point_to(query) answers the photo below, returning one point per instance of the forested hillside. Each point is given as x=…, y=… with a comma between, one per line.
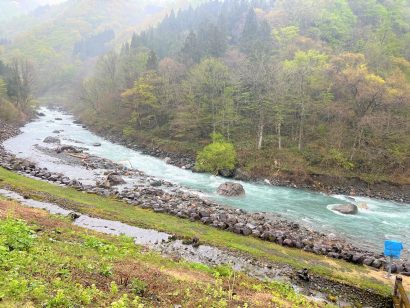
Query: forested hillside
x=299, y=86
x=63, y=40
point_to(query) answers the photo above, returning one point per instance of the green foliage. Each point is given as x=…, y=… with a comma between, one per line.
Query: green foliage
x=217, y=156
x=3, y=88
x=340, y=159
x=276, y=74
x=222, y=271
x=138, y=286
x=9, y=112
x=101, y=247
x=337, y=22
x=15, y=235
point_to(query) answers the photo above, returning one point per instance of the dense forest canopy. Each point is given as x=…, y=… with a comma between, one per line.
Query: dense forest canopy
x=303, y=84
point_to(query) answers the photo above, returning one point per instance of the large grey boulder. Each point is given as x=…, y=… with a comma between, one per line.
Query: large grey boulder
x=231, y=189
x=348, y=209
x=115, y=179
x=51, y=139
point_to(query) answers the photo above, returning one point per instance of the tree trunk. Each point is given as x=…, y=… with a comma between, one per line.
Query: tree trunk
x=357, y=142
x=300, y=133
x=260, y=135
x=279, y=136
x=261, y=127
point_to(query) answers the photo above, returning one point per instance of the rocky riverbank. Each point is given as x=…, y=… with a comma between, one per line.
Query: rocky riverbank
x=161, y=196
x=317, y=182
x=320, y=289
x=7, y=131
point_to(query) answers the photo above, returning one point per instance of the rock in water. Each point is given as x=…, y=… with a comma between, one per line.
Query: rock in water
x=348, y=209
x=226, y=173
x=51, y=139
x=68, y=148
x=97, y=144
x=115, y=179
x=231, y=189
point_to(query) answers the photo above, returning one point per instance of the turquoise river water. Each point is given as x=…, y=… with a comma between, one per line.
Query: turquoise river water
x=368, y=229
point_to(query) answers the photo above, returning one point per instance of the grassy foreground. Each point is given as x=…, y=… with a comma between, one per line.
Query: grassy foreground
x=108, y=208
x=45, y=261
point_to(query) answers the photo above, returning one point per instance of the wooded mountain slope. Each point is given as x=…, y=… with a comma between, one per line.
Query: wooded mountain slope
x=300, y=86
x=63, y=40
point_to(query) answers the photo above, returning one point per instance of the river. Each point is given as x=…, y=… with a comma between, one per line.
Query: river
x=368, y=229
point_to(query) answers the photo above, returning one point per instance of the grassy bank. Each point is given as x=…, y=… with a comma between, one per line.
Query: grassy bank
x=94, y=205
x=46, y=261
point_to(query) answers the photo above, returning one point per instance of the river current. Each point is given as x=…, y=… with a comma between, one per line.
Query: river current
x=373, y=224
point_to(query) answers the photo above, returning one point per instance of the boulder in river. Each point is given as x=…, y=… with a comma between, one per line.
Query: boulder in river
x=51, y=139
x=348, y=209
x=97, y=144
x=231, y=189
x=115, y=179
x=226, y=173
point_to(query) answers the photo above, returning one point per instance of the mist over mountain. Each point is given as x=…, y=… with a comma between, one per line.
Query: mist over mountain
x=63, y=40
x=14, y=8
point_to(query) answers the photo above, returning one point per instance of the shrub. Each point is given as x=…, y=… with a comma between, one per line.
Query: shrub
x=217, y=156
x=138, y=286
x=15, y=235
x=9, y=112
x=339, y=159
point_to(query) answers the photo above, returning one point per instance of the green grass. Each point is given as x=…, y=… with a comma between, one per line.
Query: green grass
x=47, y=262
x=116, y=210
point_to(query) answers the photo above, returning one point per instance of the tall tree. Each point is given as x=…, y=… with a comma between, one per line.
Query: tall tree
x=302, y=71
x=20, y=83
x=152, y=62
x=210, y=80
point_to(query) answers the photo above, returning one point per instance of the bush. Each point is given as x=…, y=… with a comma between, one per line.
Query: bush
x=217, y=156
x=138, y=286
x=339, y=159
x=9, y=112
x=15, y=235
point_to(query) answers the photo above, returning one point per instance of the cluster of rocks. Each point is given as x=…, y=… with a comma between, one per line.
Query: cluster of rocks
x=7, y=131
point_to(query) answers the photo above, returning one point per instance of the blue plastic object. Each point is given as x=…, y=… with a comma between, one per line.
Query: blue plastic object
x=393, y=249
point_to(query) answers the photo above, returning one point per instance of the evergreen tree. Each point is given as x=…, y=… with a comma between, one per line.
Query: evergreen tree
x=134, y=41
x=190, y=50
x=152, y=62
x=249, y=31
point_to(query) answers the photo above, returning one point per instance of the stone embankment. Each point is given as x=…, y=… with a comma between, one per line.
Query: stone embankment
x=164, y=197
